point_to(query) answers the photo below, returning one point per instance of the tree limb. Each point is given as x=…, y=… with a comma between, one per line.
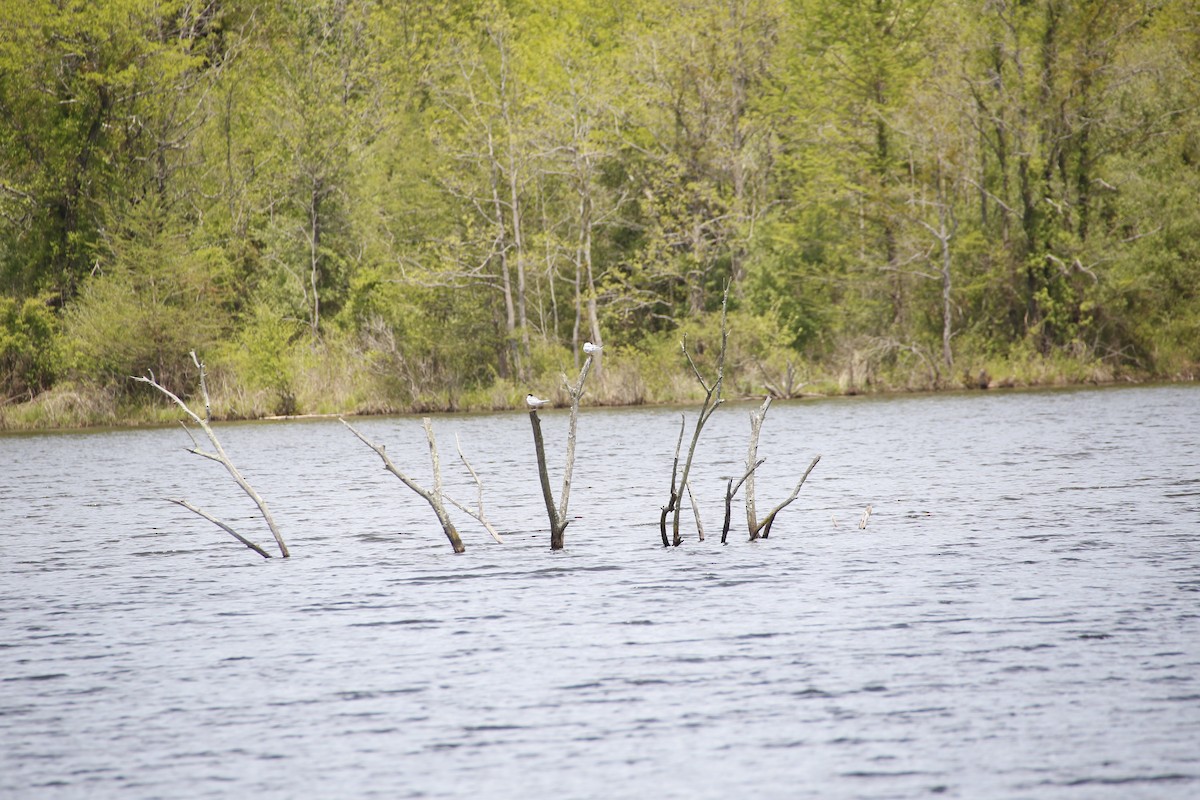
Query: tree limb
x=765, y=527
x=221, y=525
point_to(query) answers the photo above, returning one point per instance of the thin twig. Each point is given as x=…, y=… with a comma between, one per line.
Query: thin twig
x=479, y=496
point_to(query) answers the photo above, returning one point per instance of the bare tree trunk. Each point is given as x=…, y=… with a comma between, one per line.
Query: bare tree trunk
x=756, y=421
x=510, y=314
x=575, y=345
x=558, y=525
x=314, y=256
x=730, y=492
x=674, y=499
x=585, y=231
x=514, y=196
x=522, y=314
x=752, y=464
x=558, y=516
x=945, y=234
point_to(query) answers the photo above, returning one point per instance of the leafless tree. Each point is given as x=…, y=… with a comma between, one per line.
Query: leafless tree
x=221, y=458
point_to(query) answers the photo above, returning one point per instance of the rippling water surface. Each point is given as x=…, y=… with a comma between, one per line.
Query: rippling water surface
x=1020, y=617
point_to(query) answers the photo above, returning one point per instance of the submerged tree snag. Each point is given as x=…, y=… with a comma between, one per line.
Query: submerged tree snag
x=752, y=463
x=221, y=458
x=670, y=506
x=712, y=399
x=769, y=520
x=558, y=515
x=434, y=498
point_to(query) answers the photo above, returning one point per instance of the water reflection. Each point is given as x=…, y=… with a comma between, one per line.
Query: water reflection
x=1019, y=618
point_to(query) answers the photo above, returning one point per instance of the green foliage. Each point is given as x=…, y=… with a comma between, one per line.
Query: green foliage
x=90, y=91
x=29, y=344
x=265, y=355
x=154, y=298
x=396, y=206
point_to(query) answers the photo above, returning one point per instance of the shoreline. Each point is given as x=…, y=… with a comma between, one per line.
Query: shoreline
x=157, y=416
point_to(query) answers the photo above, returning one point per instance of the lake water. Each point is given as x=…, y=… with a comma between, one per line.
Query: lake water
x=1019, y=619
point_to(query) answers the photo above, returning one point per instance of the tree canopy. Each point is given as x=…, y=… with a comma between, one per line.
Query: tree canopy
x=378, y=205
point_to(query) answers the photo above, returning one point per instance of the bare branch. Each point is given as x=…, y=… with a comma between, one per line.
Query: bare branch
x=219, y=455
x=478, y=515
x=770, y=520
x=434, y=500
x=696, y=512
x=221, y=525
x=756, y=422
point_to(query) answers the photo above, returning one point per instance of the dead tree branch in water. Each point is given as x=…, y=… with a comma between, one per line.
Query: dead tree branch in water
x=712, y=399
x=769, y=520
x=669, y=507
x=558, y=515
x=866, y=515
x=222, y=525
x=434, y=498
x=219, y=456
x=756, y=421
x=478, y=513
x=696, y=513
x=730, y=492
x=752, y=463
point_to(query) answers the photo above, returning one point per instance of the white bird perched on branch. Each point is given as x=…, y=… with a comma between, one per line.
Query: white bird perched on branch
x=590, y=348
x=534, y=402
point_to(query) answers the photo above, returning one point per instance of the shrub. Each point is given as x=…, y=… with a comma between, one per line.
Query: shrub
x=29, y=347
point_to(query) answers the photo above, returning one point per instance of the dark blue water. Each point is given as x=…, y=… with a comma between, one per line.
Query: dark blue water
x=1020, y=617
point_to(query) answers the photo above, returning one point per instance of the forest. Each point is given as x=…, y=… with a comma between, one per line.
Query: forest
x=375, y=206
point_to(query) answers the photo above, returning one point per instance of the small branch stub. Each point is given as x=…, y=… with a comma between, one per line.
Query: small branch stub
x=866, y=515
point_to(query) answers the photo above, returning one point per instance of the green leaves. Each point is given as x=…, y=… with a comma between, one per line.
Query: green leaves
x=447, y=191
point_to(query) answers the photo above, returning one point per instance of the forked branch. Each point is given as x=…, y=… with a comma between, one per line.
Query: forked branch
x=218, y=455
x=478, y=512
x=712, y=399
x=434, y=498
x=558, y=514
x=752, y=463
